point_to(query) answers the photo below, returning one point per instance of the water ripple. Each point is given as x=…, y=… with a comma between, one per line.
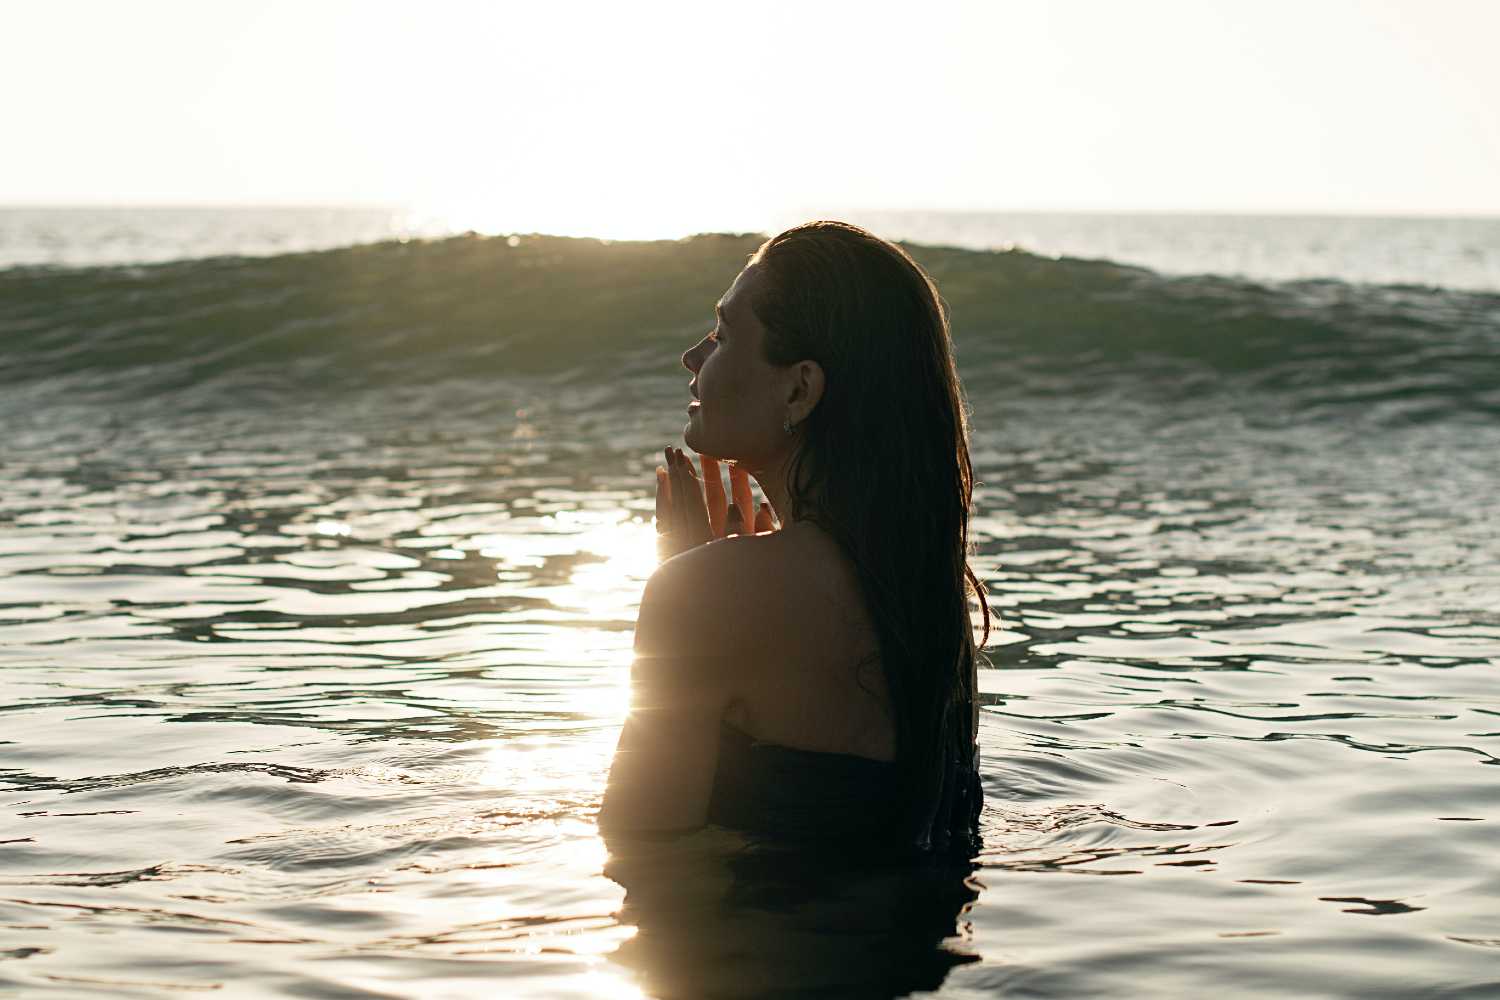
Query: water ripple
x=333, y=688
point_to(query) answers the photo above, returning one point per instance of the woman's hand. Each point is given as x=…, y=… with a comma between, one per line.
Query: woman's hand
x=690, y=511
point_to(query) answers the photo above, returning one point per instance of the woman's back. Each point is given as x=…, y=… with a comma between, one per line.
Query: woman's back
x=803, y=746
x=812, y=679
x=806, y=745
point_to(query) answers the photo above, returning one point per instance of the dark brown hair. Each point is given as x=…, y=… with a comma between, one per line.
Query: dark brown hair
x=882, y=465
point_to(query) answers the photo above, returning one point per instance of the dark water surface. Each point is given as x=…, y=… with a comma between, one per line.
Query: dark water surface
x=314, y=657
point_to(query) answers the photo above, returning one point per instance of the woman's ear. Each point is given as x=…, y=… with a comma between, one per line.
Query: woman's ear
x=804, y=389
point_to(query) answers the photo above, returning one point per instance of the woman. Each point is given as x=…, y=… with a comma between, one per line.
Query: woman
x=814, y=682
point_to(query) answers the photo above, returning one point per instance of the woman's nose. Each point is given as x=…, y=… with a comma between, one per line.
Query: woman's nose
x=692, y=358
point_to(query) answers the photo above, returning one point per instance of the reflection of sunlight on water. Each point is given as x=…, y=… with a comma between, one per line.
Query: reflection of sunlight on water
x=614, y=553
x=610, y=986
x=544, y=768
x=628, y=548
x=579, y=847
x=613, y=587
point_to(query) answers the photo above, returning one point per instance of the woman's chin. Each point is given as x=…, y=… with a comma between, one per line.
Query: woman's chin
x=702, y=447
x=695, y=439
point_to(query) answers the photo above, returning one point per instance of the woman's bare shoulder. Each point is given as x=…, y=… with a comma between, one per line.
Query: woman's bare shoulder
x=725, y=567
x=722, y=591
x=747, y=590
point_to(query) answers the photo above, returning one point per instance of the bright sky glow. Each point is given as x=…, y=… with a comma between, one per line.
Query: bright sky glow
x=624, y=119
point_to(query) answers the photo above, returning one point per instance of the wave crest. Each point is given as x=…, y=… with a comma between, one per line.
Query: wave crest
x=471, y=306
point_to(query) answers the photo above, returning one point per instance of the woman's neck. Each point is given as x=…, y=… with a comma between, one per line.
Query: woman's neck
x=773, y=482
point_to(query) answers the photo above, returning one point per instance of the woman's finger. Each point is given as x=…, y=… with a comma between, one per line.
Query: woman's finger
x=763, y=519
x=669, y=539
x=713, y=488
x=663, y=501
x=679, y=496
x=739, y=482
x=733, y=521
x=688, y=511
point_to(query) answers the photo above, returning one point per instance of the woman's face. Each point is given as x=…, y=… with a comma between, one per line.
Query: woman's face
x=740, y=397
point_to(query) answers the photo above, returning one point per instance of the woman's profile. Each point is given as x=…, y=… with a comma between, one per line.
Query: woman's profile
x=813, y=681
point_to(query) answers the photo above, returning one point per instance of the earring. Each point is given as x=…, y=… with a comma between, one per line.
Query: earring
x=786, y=425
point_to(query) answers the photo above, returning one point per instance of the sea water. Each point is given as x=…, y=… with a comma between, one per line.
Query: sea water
x=318, y=573
x=1459, y=253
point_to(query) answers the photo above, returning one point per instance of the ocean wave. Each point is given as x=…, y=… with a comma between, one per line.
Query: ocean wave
x=475, y=307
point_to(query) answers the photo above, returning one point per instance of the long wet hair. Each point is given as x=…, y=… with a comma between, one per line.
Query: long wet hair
x=882, y=465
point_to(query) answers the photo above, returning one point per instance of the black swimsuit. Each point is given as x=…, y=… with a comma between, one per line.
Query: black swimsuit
x=810, y=796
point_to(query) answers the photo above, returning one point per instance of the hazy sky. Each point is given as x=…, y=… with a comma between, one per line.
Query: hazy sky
x=531, y=113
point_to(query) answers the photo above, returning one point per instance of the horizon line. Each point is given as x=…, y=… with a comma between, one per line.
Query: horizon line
x=360, y=206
